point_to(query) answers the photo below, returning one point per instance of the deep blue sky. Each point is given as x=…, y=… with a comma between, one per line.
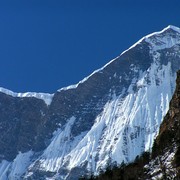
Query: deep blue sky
x=48, y=44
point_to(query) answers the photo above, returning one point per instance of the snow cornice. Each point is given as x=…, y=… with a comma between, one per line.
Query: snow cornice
x=46, y=97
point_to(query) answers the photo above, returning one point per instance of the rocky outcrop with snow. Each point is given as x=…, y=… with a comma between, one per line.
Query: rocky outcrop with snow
x=163, y=162
x=109, y=117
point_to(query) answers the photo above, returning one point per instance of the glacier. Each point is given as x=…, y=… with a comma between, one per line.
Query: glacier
x=127, y=99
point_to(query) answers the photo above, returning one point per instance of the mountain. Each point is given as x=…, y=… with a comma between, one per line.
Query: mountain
x=163, y=162
x=109, y=117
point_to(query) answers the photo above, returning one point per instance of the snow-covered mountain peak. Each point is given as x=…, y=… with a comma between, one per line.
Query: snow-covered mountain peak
x=169, y=29
x=175, y=28
x=157, y=40
x=167, y=38
x=111, y=116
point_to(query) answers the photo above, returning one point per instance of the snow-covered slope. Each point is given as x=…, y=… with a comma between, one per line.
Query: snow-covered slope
x=126, y=127
x=14, y=170
x=46, y=97
x=109, y=117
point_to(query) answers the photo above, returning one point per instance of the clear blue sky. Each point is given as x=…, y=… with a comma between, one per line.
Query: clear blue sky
x=48, y=44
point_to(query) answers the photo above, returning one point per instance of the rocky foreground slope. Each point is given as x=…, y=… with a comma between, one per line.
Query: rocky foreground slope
x=109, y=117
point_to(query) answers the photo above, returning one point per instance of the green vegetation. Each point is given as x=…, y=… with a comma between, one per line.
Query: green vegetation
x=130, y=171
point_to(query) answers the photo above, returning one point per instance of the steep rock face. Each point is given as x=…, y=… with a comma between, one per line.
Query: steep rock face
x=21, y=121
x=111, y=116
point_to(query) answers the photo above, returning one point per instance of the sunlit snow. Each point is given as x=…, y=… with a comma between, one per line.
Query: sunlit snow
x=14, y=170
x=124, y=129
x=47, y=98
